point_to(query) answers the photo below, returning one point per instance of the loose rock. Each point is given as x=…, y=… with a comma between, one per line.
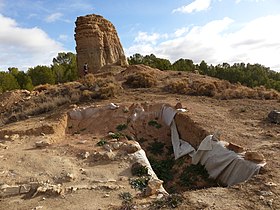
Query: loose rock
x=42, y=144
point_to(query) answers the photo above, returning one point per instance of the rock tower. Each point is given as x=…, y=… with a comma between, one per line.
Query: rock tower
x=97, y=43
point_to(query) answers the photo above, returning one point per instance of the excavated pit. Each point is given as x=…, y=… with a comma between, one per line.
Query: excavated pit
x=142, y=123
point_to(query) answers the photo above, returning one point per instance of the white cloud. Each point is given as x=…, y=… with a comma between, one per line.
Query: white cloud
x=63, y=37
x=256, y=41
x=25, y=47
x=143, y=49
x=144, y=43
x=195, y=6
x=53, y=17
x=144, y=37
x=179, y=32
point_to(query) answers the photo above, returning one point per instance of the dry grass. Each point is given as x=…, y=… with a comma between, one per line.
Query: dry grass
x=89, y=80
x=219, y=89
x=41, y=88
x=180, y=87
x=39, y=105
x=191, y=88
x=141, y=80
x=46, y=98
x=99, y=87
x=203, y=88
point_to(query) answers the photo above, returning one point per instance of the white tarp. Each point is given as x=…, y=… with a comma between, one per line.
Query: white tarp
x=180, y=147
x=222, y=164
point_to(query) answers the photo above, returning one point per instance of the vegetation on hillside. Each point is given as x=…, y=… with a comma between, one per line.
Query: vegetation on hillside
x=64, y=69
x=251, y=75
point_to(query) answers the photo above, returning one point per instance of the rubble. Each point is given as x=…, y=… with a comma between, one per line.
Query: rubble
x=50, y=189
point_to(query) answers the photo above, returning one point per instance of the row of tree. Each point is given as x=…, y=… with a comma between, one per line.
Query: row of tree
x=63, y=69
x=251, y=75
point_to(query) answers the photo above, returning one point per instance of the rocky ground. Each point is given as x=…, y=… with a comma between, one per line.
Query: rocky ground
x=50, y=161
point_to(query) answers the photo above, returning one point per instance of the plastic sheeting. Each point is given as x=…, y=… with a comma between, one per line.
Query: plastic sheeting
x=222, y=164
x=180, y=147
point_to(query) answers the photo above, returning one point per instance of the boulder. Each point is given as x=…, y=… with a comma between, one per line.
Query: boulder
x=154, y=187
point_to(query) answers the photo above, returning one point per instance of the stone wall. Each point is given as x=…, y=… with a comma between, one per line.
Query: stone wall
x=97, y=43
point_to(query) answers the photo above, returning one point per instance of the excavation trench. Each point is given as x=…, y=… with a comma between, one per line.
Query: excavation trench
x=170, y=143
x=143, y=123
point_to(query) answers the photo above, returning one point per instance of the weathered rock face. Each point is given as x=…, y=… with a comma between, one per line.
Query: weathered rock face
x=97, y=43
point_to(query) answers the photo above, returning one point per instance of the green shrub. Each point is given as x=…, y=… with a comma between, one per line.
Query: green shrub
x=156, y=147
x=121, y=127
x=163, y=168
x=138, y=169
x=169, y=201
x=140, y=183
x=101, y=142
x=194, y=174
x=154, y=123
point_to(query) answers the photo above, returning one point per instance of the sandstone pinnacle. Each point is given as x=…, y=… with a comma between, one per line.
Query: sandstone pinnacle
x=97, y=44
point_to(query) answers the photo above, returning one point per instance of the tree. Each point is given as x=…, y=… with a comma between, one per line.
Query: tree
x=150, y=60
x=8, y=82
x=41, y=75
x=154, y=62
x=183, y=65
x=135, y=59
x=13, y=70
x=24, y=81
x=65, y=67
x=203, y=67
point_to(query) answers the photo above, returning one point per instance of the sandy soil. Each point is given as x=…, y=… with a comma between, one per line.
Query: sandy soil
x=97, y=181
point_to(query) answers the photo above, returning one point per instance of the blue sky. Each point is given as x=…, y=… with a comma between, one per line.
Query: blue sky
x=32, y=32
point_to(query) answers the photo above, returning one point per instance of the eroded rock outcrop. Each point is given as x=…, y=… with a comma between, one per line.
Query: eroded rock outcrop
x=97, y=43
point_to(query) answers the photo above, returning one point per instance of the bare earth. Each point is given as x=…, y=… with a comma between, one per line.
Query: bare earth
x=96, y=181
